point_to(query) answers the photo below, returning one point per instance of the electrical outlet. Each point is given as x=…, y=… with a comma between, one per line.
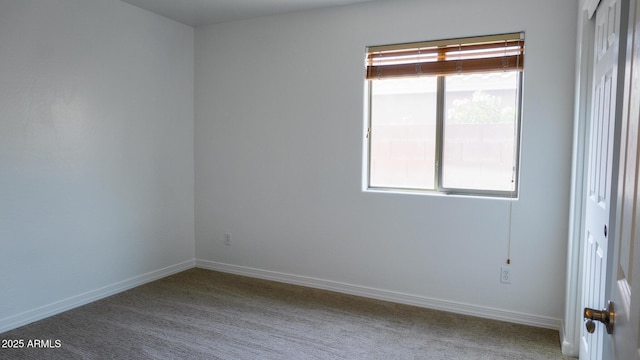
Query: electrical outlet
x=505, y=274
x=227, y=239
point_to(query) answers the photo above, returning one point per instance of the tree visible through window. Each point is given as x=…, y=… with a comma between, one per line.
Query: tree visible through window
x=444, y=115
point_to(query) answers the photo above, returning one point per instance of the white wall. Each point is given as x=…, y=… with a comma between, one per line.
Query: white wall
x=279, y=138
x=96, y=152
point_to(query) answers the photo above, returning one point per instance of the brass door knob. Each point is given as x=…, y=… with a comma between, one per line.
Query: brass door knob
x=605, y=316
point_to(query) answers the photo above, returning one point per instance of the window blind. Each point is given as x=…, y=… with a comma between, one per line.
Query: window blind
x=446, y=57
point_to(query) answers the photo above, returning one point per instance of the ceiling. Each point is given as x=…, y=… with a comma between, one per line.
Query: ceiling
x=205, y=12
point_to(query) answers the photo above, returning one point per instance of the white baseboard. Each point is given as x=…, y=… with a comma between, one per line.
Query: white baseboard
x=57, y=307
x=408, y=299
x=43, y=312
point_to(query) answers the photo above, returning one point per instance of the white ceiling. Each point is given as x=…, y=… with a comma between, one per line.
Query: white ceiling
x=205, y=12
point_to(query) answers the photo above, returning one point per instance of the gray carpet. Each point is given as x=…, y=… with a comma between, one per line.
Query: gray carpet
x=202, y=314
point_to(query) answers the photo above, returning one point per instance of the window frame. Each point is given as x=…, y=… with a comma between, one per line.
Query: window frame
x=439, y=144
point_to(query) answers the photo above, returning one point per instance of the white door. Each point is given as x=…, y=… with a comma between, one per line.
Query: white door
x=602, y=169
x=624, y=281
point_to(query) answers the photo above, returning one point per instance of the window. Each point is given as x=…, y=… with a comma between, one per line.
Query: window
x=444, y=116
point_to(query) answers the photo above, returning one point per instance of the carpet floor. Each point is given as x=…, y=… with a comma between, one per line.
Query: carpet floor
x=203, y=314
